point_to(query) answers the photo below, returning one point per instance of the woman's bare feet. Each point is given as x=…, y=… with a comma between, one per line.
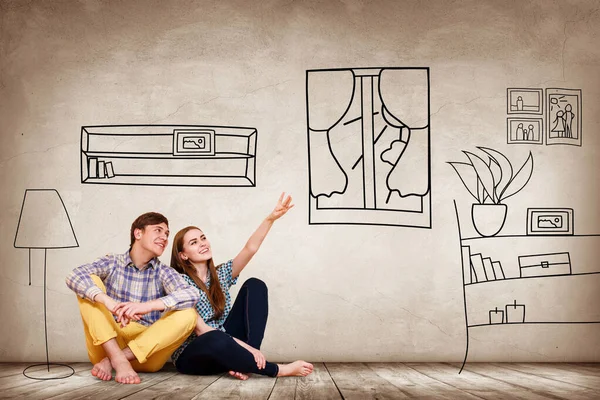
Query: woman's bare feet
x=297, y=368
x=103, y=370
x=124, y=371
x=239, y=375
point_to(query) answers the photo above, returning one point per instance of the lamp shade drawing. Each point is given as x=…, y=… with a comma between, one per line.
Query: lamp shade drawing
x=44, y=224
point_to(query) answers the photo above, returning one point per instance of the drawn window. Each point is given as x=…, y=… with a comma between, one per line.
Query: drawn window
x=369, y=146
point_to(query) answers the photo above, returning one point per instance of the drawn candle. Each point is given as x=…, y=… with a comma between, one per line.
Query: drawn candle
x=515, y=313
x=496, y=316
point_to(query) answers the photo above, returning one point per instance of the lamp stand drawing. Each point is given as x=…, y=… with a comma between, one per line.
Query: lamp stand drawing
x=44, y=224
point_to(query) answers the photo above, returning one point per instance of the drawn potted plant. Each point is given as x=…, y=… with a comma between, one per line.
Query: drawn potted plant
x=490, y=180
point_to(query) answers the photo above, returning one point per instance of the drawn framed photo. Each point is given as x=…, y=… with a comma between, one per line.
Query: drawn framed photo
x=563, y=116
x=525, y=130
x=193, y=143
x=524, y=101
x=549, y=221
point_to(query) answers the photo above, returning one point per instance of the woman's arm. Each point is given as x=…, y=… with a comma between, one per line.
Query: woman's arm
x=260, y=359
x=202, y=327
x=253, y=244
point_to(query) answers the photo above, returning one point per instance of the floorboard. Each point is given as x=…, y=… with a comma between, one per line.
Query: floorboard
x=9, y=369
x=583, y=368
x=258, y=387
x=316, y=385
x=539, y=385
x=177, y=386
x=358, y=381
x=562, y=375
x=284, y=389
x=415, y=384
x=477, y=384
x=329, y=381
x=113, y=390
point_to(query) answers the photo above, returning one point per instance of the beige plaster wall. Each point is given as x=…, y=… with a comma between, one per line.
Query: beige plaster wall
x=351, y=293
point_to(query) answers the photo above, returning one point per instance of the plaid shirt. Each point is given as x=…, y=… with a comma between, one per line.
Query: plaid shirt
x=204, y=308
x=125, y=282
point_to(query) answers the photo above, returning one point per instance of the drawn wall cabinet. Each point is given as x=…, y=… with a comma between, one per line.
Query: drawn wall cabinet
x=168, y=155
x=514, y=281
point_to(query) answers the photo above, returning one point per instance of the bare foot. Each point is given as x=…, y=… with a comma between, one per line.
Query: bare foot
x=124, y=371
x=239, y=375
x=297, y=368
x=103, y=370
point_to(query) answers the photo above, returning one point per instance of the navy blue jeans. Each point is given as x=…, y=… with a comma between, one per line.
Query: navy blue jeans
x=216, y=352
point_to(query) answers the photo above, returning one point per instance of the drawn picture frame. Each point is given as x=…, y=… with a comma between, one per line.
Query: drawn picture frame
x=193, y=142
x=550, y=221
x=524, y=131
x=524, y=101
x=563, y=116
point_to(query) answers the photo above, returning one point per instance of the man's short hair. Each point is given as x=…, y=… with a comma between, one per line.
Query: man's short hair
x=149, y=218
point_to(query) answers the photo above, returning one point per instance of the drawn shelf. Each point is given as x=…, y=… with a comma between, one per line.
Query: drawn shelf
x=501, y=274
x=168, y=155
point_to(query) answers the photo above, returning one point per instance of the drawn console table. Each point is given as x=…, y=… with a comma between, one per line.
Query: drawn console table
x=513, y=283
x=168, y=155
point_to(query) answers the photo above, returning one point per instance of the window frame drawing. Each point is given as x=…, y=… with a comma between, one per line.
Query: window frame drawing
x=365, y=98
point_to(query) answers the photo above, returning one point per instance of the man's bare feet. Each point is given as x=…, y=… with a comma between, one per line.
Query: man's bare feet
x=103, y=370
x=297, y=368
x=239, y=375
x=124, y=371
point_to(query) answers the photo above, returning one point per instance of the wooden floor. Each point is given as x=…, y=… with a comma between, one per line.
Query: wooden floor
x=328, y=381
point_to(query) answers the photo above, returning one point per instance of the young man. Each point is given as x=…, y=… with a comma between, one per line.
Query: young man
x=129, y=305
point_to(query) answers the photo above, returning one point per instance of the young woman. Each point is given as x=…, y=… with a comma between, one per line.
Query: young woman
x=226, y=337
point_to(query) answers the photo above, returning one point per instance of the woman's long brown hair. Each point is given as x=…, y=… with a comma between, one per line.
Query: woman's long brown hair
x=214, y=293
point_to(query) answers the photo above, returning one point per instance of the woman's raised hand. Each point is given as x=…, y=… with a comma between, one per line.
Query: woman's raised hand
x=283, y=205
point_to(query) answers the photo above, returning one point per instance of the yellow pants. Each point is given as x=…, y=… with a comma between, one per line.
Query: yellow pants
x=152, y=345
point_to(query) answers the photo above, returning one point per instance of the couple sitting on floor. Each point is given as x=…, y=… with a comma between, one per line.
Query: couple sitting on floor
x=137, y=312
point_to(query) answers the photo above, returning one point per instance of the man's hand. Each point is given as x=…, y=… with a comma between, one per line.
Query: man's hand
x=131, y=311
x=110, y=303
x=113, y=306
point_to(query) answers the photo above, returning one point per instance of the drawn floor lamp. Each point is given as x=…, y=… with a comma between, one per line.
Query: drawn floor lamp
x=45, y=224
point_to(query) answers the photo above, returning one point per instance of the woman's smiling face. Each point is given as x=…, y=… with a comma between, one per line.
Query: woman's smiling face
x=196, y=247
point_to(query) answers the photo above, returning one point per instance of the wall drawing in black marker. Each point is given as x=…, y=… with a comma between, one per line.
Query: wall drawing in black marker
x=524, y=101
x=550, y=221
x=168, y=155
x=44, y=224
x=510, y=281
x=545, y=264
x=525, y=130
x=369, y=146
x=563, y=116
x=490, y=179
x=559, y=121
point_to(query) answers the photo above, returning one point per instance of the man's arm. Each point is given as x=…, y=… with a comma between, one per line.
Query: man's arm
x=180, y=294
x=80, y=281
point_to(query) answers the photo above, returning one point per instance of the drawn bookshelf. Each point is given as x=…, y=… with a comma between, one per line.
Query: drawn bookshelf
x=501, y=272
x=168, y=155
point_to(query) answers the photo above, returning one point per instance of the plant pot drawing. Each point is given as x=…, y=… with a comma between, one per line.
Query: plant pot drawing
x=488, y=219
x=490, y=179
